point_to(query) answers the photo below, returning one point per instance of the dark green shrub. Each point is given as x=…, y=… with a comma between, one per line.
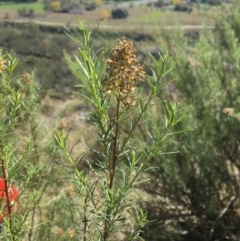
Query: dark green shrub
x=159, y=3
x=214, y=2
x=119, y=13
x=26, y=13
x=90, y=6
x=181, y=7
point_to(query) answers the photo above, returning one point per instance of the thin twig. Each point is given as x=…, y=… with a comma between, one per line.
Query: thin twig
x=223, y=212
x=229, y=204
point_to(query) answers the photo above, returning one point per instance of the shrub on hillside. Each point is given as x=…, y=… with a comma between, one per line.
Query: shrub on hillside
x=182, y=7
x=105, y=14
x=55, y=5
x=26, y=13
x=119, y=13
x=159, y=3
x=90, y=6
x=98, y=3
x=214, y=2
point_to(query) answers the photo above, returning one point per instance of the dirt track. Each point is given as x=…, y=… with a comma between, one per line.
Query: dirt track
x=107, y=26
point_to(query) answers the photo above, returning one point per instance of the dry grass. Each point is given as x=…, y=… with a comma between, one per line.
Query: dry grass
x=71, y=111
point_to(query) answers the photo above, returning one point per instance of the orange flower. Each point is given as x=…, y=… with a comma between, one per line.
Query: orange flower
x=13, y=195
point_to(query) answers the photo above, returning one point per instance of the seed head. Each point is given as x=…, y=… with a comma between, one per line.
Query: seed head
x=228, y=111
x=62, y=125
x=26, y=79
x=2, y=65
x=123, y=72
x=71, y=233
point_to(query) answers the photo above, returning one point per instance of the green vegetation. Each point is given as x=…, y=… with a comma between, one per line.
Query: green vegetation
x=37, y=7
x=109, y=156
x=195, y=195
x=150, y=17
x=102, y=191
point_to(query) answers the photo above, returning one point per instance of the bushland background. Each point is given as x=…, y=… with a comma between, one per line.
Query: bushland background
x=192, y=194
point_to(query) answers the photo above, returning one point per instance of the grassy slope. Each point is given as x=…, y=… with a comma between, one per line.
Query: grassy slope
x=171, y=18
x=37, y=7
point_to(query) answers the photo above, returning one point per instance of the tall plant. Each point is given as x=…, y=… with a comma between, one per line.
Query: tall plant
x=104, y=192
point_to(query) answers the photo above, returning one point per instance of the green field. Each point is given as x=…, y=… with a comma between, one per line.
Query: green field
x=37, y=7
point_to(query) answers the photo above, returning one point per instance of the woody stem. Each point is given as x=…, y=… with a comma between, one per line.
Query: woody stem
x=112, y=173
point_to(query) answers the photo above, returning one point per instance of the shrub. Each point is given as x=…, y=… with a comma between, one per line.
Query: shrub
x=105, y=14
x=90, y=6
x=20, y=167
x=119, y=13
x=55, y=5
x=159, y=3
x=98, y=3
x=26, y=13
x=182, y=7
x=103, y=195
x=96, y=201
x=195, y=195
x=6, y=16
x=214, y=2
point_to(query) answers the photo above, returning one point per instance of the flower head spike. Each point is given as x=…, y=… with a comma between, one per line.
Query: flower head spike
x=2, y=65
x=13, y=195
x=123, y=72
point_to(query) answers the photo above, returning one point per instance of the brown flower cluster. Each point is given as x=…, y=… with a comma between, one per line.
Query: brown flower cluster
x=123, y=72
x=2, y=65
x=26, y=79
x=228, y=111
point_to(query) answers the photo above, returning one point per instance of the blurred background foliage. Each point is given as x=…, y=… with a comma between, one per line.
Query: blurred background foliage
x=195, y=193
